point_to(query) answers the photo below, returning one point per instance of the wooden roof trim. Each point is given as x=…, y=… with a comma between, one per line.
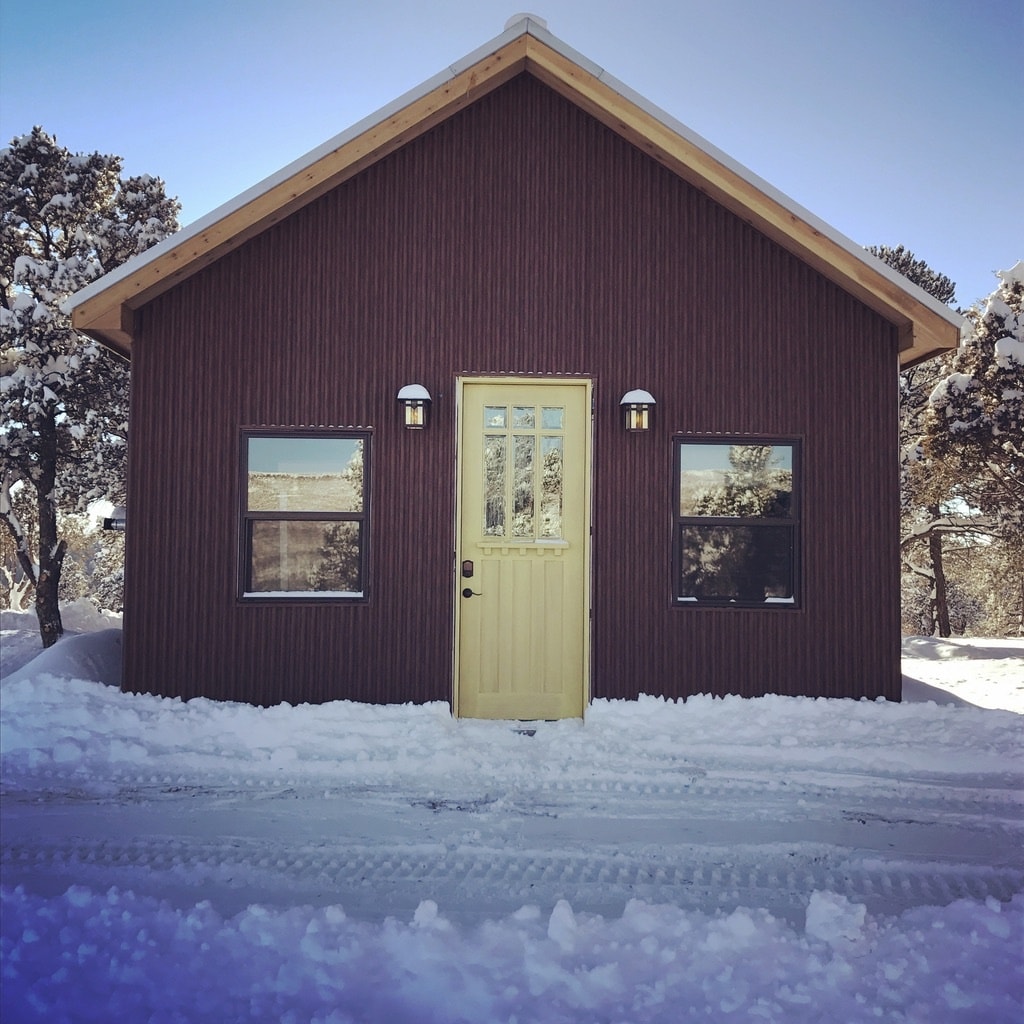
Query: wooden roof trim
x=105, y=308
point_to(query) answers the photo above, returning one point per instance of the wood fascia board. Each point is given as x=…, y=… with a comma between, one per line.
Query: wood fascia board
x=99, y=316
x=923, y=331
x=916, y=347
x=113, y=326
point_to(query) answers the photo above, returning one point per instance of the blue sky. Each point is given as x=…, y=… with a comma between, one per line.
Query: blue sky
x=895, y=121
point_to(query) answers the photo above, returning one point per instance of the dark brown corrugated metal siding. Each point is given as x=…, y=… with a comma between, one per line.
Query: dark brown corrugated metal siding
x=519, y=236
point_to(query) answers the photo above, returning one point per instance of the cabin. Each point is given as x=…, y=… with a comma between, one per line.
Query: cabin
x=516, y=395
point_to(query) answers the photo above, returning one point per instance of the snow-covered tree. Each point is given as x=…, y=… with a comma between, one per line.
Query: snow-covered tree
x=975, y=420
x=974, y=428
x=962, y=424
x=65, y=220
x=15, y=585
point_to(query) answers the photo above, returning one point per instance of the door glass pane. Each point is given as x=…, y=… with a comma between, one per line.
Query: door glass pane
x=522, y=503
x=551, y=488
x=523, y=417
x=523, y=471
x=494, y=485
x=552, y=418
x=305, y=474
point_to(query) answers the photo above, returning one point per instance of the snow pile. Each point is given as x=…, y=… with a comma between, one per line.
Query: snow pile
x=112, y=956
x=781, y=860
x=80, y=655
x=86, y=734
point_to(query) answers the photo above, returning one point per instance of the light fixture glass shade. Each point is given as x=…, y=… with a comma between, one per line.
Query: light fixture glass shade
x=414, y=398
x=637, y=405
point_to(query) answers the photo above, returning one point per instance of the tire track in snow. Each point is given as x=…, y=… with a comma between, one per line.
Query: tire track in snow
x=379, y=882
x=988, y=796
x=696, y=840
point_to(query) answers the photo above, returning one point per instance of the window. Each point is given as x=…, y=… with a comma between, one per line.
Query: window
x=304, y=501
x=737, y=522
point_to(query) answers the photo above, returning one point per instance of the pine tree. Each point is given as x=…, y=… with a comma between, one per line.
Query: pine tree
x=338, y=566
x=925, y=486
x=903, y=261
x=65, y=220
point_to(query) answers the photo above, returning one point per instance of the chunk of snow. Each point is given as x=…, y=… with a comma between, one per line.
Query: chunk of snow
x=1008, y=352
x=832, y=918
x=1015, y=275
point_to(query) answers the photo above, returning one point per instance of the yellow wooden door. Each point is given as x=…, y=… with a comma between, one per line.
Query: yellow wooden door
x=522, y=618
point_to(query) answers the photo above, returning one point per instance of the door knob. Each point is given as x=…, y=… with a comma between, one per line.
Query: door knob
x=469, y=592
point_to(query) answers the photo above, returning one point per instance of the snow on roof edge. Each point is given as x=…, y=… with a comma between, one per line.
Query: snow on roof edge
x=527, y=25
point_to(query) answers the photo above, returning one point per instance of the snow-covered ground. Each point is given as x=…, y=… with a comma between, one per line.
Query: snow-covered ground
x=777, y=859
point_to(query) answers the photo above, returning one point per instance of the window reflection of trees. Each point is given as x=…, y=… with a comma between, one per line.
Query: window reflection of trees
x=494, y=486
x=748, y=563
x=754, y=485
x=528, y=492
x=551, y=489
x=339, y=554
x=741, y=563
x=522, y=487
x=302, y=554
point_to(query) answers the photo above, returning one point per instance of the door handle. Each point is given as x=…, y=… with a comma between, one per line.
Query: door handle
x=469, y=592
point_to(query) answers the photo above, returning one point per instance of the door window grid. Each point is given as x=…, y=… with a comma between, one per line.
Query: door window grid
x=532, y=490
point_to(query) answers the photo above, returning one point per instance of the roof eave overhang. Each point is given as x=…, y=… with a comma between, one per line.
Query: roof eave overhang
x=105, y=310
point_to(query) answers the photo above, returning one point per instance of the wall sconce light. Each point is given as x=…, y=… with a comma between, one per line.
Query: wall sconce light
x=414, y=398
x=637, y=405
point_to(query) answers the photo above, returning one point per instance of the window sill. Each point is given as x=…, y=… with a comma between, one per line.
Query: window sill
x=768, y=602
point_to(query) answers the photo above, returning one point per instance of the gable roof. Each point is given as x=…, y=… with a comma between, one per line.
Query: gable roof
x=105, y=309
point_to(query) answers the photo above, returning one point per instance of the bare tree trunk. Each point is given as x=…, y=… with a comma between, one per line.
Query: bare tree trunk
x=51, y=627
x=928, y=618
x=51, y=550
x=939, y=598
